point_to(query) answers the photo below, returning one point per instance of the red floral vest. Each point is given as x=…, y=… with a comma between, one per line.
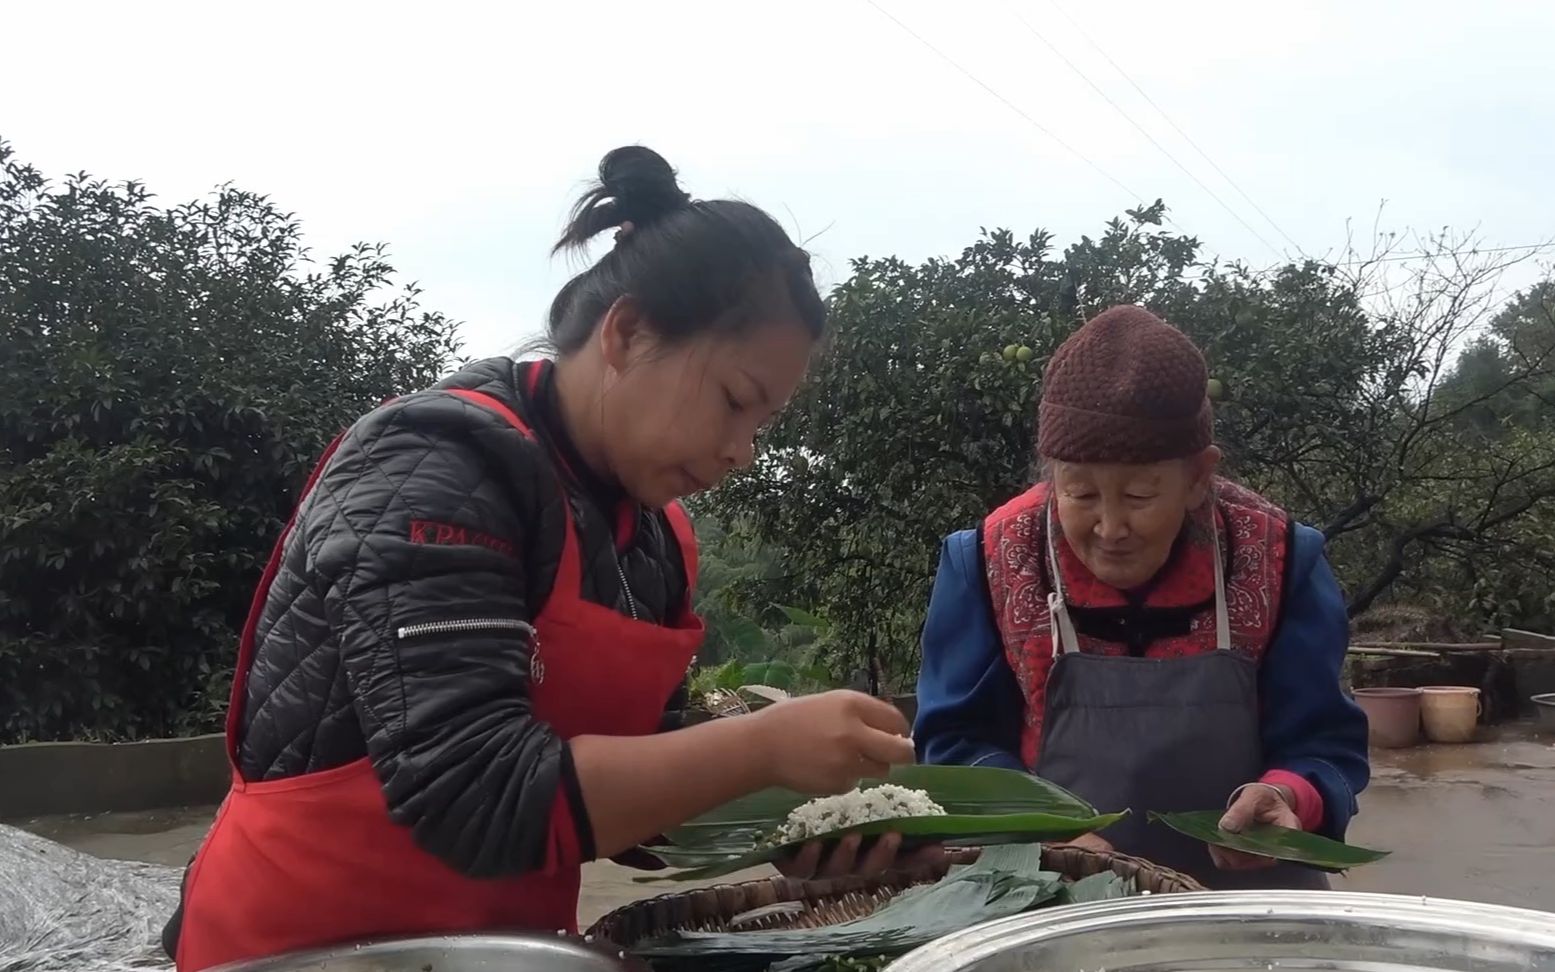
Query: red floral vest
x=1256, y=538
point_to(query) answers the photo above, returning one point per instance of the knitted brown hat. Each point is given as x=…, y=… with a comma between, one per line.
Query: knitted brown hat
x=1127, y=387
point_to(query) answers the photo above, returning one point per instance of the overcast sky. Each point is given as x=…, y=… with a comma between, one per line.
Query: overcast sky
x=459, y=132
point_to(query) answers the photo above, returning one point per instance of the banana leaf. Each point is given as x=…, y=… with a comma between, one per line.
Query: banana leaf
x=984, y=806
x=1004, y=881
x=1280, y=843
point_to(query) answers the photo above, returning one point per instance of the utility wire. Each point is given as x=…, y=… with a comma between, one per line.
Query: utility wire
x=1012, y=106
x=1175, y=127
x=1144, y=131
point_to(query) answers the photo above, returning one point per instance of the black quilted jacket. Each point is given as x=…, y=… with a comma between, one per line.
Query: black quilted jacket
x=435, y=510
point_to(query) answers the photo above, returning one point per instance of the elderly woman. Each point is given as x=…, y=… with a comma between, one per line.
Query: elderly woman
x=1142, y=632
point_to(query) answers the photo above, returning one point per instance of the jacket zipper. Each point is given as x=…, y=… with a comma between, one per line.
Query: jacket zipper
x=465, y=626
x=631, y=602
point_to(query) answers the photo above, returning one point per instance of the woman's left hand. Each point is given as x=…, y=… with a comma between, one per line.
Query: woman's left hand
x=1260, y=803
x=884, y=855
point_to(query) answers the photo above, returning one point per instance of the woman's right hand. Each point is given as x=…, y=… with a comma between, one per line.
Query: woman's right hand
x=826, y=743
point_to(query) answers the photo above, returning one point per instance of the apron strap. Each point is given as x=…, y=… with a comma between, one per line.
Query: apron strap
x=1059, y=623
x=1222, y=613
x=569, y=571
x=686, y=538
x=1065, y=640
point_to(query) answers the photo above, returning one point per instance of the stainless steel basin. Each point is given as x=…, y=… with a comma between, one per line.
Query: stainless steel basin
x=454, y=953
x=1258, y=931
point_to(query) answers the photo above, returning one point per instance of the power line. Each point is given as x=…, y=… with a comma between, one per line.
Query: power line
x=1175, y=127
x=1012, y=106
x=1143, y=131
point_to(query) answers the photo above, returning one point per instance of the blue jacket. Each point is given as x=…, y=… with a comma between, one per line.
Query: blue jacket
x=970, y=706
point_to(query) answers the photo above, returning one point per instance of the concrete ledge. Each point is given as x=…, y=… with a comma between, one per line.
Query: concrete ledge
x=37, y=779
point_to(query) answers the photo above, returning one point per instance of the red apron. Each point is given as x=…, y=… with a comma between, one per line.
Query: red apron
x=315, y=860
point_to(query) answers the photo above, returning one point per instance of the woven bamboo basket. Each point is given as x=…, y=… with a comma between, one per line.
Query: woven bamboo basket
x=781, y=902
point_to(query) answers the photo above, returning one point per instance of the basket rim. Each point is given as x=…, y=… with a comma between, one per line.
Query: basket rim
x=1072, y=861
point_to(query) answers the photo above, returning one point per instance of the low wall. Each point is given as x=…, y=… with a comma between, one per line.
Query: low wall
x=37, y=779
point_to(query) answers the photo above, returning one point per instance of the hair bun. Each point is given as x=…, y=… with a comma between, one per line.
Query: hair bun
x=642, y=183
x=636, y=185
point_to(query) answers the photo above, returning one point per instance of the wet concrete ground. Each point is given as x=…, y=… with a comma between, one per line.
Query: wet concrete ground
x=1470, y=822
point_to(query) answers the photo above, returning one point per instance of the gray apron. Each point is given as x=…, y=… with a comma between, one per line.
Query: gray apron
x=1157, y=734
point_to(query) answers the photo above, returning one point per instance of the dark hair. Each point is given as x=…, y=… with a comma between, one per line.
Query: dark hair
x=692, y=266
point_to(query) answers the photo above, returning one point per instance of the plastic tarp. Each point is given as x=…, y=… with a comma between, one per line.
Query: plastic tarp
x=64, y=911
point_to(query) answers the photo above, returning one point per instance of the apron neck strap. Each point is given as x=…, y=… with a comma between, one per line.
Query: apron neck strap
x=1059, y=623
x=1065, y=640
x=1222, y=614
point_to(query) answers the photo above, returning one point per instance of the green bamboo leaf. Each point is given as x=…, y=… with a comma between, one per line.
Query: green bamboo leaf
x=1280, y=843
x=1098, y=887
x=988, y=789
x=1004, y=881
x=739, y=825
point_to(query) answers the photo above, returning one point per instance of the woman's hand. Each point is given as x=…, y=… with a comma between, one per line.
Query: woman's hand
x=1091, y=842
x=883, y=856
x=1258, y=803
x=824, y=744
x=638, y=786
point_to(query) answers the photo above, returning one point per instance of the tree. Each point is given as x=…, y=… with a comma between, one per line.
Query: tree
x=920, y=416
x=916, y=422
x=171, y=375
x=1504, y=386
x=1373, y=425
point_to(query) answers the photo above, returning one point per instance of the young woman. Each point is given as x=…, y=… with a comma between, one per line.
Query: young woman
x=1141, y=631
x=449, y=688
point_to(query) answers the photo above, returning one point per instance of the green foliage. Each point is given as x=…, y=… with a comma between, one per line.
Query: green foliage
x=984, y=806
x=171, y=374
x=1503, y=390
x=919, y=419
x=1337, y=401
x=751, y=640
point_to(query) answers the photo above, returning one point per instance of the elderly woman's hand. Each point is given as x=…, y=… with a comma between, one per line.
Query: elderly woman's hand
x=1257, y=803
x=883, y=856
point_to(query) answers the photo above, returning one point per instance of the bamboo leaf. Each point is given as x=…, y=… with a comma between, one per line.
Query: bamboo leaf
x=1004, y=881
x=1098, y=887
x=965, y=790
x=975, y=830
x=1280, y=843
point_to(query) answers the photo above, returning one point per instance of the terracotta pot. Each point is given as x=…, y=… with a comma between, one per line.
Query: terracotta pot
x=1393, y=715
x=1450, y=713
